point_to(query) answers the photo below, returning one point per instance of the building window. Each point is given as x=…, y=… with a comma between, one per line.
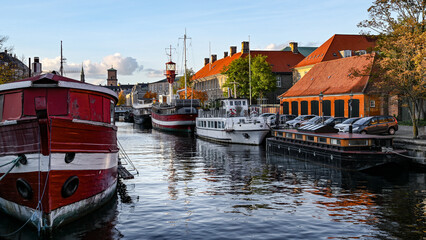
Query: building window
x=278, y=81
x=372, y=104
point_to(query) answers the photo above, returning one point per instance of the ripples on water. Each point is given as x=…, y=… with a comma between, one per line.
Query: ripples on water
x=193, y=189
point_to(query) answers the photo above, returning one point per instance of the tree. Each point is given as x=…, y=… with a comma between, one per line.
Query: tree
x=121, y=98
x=150, y=94
x=194, y=94
x=262, y=78
x=400, y=64
x=8, y=69
x=189, y=74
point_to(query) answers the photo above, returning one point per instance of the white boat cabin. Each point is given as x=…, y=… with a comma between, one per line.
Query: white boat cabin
x=235, y=107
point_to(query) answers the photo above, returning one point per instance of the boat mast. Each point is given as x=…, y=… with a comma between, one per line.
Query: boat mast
x=249, y=69
x=61, y=70
x=184, y=53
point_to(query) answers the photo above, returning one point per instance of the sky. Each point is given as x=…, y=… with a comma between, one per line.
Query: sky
x=132, y=35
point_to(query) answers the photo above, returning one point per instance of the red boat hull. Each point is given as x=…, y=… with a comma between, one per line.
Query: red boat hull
x=174, y=122
x=67, y=146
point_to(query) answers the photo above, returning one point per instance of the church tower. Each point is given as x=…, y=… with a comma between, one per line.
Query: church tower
x=82, y=77
x=112, y=77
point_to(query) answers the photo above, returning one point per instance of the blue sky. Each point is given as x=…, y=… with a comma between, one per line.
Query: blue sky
x=132, y=35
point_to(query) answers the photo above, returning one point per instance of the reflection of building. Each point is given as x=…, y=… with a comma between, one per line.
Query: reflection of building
x=210, y=79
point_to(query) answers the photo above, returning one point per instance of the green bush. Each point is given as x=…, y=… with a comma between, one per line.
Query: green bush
x=421, y=123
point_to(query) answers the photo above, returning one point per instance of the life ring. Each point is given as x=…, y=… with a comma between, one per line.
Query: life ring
x=233, y=111
x=24, y=189
x=70, y=186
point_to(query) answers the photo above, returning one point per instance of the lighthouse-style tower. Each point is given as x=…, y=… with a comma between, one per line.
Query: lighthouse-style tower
x=112, y=77
x=170, y=75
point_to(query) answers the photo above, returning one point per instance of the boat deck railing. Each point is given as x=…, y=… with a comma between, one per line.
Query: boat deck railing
x=221, y=113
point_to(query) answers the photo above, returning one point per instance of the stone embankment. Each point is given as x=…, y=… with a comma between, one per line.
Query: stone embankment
x=416, y=147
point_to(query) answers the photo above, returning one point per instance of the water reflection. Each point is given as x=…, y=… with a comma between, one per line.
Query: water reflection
x=393, y=204
x=99, y=224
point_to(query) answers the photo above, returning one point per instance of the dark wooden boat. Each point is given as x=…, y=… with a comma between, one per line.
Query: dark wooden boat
x=347, y=151
x=59, y=138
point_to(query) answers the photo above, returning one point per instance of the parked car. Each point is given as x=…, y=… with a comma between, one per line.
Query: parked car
x=344, y=126
x=376, y=125
x=334, y=120
x=285, y=118
x=315, y=120
x=295, y=123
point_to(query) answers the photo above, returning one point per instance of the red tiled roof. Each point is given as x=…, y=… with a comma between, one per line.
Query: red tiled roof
x=281, y=62
x=333, y=77
x=331, y=48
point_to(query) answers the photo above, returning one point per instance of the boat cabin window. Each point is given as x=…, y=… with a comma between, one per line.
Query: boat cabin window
x=13, y=101
x=91, y=107
x=358, y=142
x=289, y=135
x=310, y=138
x=335, y=141
x=237, y=103
x=231, y=103
x=215, y=124
x=322, y=140
x=299, y=136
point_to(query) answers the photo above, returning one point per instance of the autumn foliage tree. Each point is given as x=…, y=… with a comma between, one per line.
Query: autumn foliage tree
x=150, y=94
x=194, y=94
x=121, y=98
x=400, y=65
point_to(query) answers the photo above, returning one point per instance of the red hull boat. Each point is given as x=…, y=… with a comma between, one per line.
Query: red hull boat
x=58, y=149
x=177, y=117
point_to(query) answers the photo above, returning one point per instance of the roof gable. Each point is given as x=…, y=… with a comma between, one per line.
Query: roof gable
x=330, y=50
x=333, y=77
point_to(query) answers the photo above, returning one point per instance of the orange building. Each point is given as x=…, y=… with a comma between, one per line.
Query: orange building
x=331, y=88
x=336, y=47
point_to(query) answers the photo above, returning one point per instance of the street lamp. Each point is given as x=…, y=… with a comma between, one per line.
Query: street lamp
x=321, y=106
x=351, y=95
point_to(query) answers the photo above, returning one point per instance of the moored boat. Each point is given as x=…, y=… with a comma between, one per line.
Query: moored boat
x=142, y=113
x=349, y=151
x=231, y=123
x=58, y=149
x=177, y=116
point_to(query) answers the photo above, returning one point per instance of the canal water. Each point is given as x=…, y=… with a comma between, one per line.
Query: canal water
x=188, y=188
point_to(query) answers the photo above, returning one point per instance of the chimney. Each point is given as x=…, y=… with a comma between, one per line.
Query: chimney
x=294, y=48
x=206, y=61
x=245, y=47
x=233, y=50
x=225, y=54
x=36, y=66
x=214, y=58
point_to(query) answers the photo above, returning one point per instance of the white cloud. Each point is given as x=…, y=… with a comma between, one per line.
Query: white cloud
x=273, y=46
x=152, y=73
x=124, y=66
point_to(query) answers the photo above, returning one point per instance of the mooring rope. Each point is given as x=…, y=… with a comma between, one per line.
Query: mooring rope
x=15, y=163
x=126, y=157
x=402, y=155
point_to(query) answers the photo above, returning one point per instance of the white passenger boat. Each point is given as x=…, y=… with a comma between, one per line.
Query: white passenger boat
x=231, y=123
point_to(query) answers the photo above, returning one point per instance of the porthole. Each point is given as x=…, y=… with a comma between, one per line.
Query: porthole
x=70, y=186
x=69, y=157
